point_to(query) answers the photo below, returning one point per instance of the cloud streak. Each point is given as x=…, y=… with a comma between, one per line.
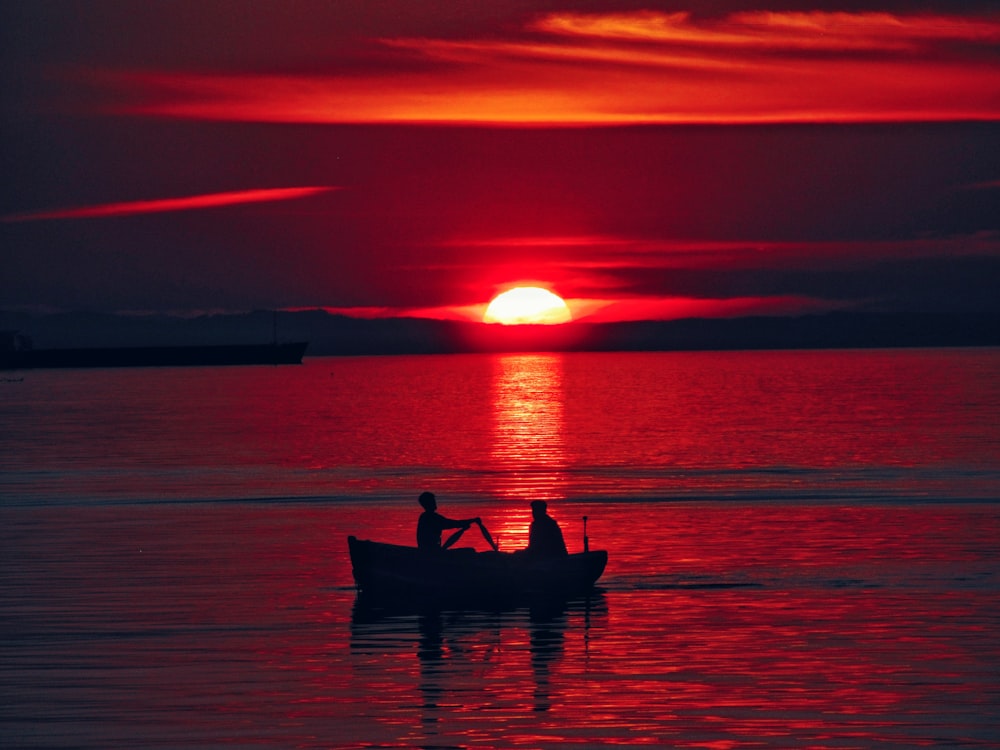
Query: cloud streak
x=620, y=278
x=622, y=68
x=163, y=205
x=777, y=32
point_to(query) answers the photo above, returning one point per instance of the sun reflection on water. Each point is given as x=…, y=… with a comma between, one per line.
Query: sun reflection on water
x=529, y=450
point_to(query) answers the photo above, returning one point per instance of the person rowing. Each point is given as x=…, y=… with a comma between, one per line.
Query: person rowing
x=431, y=524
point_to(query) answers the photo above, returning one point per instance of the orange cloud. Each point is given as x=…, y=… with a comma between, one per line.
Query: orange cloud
x=464, y=313
x=596, y=310
x=813, y=30
x=187, y=203
x=627, y=68
x=607, y=277
x=675, y=308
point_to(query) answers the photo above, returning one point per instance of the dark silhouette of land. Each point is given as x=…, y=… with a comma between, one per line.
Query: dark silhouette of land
x=330, y=334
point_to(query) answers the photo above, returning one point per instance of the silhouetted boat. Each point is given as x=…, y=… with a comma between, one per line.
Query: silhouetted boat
x=395, y=570
x=156, y=356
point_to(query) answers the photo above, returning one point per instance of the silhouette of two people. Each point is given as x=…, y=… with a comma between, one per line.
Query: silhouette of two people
x=545, y=538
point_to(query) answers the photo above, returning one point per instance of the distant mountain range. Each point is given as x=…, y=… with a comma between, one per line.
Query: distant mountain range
x=329, y=334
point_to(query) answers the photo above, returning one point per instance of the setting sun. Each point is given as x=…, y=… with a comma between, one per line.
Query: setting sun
x=527, y=305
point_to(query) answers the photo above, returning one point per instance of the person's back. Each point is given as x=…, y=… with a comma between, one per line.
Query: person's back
x=429, y=530
x=545, y=538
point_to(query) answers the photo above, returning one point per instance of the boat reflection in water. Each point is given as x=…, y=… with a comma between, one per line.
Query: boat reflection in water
x=467, y=660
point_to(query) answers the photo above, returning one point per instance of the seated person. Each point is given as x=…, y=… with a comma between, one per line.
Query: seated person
x=545, y=538
x=432, y=523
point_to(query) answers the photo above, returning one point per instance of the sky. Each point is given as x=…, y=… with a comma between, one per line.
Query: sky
x=643, y=160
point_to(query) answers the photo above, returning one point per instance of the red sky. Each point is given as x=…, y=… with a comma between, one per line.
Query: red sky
x=643, y=160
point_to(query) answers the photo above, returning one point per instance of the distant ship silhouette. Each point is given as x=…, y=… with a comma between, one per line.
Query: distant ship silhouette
x=155, y=356
x=17, y=352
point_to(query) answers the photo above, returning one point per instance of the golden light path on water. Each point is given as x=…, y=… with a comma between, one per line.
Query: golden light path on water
x=528, y=448
x=529, y=441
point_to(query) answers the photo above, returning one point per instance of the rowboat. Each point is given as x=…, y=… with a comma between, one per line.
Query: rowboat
x=407, y=571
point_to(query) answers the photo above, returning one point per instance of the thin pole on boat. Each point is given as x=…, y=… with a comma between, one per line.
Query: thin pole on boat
x=488, y=537
x=586, y=541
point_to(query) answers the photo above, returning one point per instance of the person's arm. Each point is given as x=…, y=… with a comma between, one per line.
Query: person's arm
x=462, y=527
x=447, y=523
x=534, y=537
x=454, y=537
x=561, y=547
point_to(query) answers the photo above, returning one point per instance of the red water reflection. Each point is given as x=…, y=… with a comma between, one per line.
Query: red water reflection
x=737, y=625
x=224, y=615
x=740, y=625
x=799, y=425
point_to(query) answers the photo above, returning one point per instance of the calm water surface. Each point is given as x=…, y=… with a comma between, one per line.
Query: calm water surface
x=803, y=552
x=765, y=425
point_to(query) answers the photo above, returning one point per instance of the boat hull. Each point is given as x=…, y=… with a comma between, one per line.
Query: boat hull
x=396, y=570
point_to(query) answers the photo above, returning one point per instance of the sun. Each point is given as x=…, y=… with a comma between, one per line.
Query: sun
x=527, y=305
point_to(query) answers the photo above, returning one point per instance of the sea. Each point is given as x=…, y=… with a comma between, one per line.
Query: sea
x=804, y=552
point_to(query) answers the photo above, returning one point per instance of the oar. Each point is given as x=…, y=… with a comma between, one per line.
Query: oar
x=487, y=536
x=454, y=538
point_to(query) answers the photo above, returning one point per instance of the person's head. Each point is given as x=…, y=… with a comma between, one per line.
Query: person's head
x=538, y=508
x=428, y=501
